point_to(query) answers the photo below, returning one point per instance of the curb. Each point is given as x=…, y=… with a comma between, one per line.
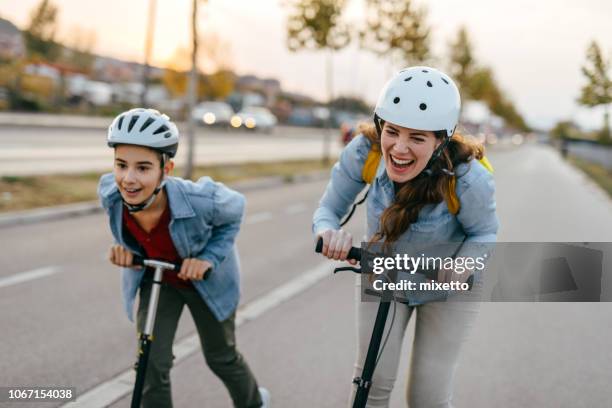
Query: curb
x=59, y=212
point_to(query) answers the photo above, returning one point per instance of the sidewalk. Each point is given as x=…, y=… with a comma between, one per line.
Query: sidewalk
x=53, y=120
x=58, y=212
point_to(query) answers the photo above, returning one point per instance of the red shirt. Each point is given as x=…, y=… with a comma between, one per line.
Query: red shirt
x=157, y=244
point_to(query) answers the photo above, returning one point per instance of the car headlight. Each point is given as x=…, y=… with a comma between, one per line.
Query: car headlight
x=250, y=123
x=209, y=118
x=236, y=121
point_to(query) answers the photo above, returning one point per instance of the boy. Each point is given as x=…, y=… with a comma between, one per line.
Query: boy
x=167, y=218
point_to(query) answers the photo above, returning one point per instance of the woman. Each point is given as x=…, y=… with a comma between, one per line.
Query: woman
x=428, y=188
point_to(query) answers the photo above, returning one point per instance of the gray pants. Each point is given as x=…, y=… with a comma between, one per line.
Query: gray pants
x=217, y=340
x=441, y=329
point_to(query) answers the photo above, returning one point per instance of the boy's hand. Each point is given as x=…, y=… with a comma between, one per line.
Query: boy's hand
x=121, y=256
x=194, y=269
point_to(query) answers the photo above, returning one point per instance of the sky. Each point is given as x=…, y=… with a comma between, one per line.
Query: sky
x=535, y=48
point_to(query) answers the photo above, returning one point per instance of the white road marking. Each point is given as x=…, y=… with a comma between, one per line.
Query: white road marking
x=28, y=276
x=117, y=387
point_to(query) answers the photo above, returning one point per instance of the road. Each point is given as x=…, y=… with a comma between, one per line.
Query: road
x=49, y=150
x=67, y=327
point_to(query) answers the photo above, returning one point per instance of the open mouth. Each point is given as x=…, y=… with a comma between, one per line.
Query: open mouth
x=132, y=192
x=401, y=164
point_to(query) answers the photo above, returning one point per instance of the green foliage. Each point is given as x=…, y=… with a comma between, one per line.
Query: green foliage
x=598, y=90
x=40, y=34
x=462, y=66
x=478, y=82
x=565, y=130
x=352, y=104
x=315, y=24
x=396, y=29
x=218, y=85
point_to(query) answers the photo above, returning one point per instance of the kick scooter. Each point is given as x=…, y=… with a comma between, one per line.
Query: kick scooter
x=365, y=381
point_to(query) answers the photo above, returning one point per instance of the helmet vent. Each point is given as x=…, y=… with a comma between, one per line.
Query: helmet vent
x=147, y=124
x=426, y=71
x=396, y=100
x=408, y=79
x=132, y=122
x=120, y=122
x=167, y=135
x=423, y=106
x=445, y=81
x=161, y=129
x=429, y=84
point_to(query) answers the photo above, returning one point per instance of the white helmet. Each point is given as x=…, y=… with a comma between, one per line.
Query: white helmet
x=420, y=98
x=144, y=127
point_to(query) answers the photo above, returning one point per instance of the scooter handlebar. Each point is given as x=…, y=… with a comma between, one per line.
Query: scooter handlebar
x=354, y=252
x=140, y=261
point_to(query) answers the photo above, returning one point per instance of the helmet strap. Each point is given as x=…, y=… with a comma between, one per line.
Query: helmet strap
x=427, y=171
x=132, y=208
x=379, y=123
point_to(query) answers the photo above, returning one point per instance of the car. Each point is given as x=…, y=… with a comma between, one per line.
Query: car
x=255, y=118
x=212, y=113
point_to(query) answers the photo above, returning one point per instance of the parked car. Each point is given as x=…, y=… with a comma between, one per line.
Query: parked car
x=255, y=118
x=212, y=114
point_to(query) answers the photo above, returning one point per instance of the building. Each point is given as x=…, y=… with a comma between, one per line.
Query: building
x=12, y=44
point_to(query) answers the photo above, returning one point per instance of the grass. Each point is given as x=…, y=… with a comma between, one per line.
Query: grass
x=20, y=193
x=596, y=172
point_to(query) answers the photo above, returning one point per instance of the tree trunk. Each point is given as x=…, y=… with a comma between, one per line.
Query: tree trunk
x=330, y=96
x=148, y=46
x=191, y=93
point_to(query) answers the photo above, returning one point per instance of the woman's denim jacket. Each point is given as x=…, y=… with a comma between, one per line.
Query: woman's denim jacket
x=205, y=219
x=476, y=220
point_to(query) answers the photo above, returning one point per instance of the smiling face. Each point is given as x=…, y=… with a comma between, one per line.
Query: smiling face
x=406, y=151
x=137, y=172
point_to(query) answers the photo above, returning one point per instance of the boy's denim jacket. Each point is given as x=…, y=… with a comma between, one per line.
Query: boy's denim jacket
x=205, y=219
x=476, y=221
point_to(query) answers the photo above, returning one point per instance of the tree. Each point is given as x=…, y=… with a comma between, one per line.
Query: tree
x=218, y=85
x=79, y=53
x=352, y=104
x=477, y=82
x=483, y=86
x=148, y=50
x=315, y=24
x=397, y=30
x=598, y=90
x=192, y=88
x=40, y=34
x=462, y=63
x=564, y=130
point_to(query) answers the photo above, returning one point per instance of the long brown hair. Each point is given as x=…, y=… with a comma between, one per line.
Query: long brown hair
x=420, y=191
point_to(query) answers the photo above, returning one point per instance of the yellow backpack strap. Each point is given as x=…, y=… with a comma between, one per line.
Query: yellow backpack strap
x=368, y=172
x=451, y=197
x=486, y=163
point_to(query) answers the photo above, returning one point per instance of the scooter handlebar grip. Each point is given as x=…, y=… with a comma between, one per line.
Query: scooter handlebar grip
x=354, y=253
x=138, y=260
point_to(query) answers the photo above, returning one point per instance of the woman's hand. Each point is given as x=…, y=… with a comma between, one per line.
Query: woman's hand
x=194, y=269
x=452, y=275
x=121, y=256
x=336, y=244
